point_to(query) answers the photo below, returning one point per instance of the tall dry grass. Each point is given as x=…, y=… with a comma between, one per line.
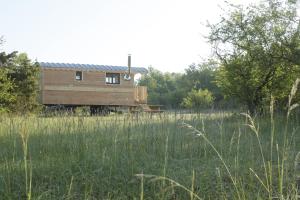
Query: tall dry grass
x=172, y=156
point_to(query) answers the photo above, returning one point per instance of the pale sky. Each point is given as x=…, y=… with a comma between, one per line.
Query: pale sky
x=164, y=34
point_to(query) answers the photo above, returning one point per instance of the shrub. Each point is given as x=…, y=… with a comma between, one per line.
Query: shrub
x=197, y=99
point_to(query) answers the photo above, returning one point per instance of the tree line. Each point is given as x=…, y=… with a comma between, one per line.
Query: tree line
x=196, y=88
x=256, y=59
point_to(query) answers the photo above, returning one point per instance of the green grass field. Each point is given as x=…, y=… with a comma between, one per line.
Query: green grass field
x=172, y=156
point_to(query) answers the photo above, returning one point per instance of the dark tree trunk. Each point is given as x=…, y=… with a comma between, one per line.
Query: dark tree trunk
x=254, y=107
x=251, y=108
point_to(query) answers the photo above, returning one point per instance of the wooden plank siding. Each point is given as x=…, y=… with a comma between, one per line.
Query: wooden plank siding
x=88, y=98
x=89, y=78
x=59, y=86
x=140, y=94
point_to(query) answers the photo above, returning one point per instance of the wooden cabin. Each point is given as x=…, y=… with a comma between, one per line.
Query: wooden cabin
x=97, y=86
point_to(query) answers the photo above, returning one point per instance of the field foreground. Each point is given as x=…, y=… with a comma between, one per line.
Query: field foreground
x=172, y=156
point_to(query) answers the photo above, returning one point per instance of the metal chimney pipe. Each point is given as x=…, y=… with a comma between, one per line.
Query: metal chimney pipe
x=129, y=64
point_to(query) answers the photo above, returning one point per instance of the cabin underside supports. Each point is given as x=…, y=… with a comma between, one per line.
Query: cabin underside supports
x=92, y=110
x=101, y=110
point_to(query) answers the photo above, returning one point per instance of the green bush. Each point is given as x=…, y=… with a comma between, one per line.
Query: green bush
x=82, y=111
x=197, y=99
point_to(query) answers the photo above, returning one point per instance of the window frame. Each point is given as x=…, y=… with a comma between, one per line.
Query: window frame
x=81, y=76
x=113, y=79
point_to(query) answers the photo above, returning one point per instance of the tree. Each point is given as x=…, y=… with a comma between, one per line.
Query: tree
x=7, y=60
x=162, y=88
x=258, y=50
x=197, y=99
x=18, y=82
x=25, y=75
x=201, y=76
x=7, y=97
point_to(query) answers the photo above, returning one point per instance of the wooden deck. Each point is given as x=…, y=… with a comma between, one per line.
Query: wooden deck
x=148, y=108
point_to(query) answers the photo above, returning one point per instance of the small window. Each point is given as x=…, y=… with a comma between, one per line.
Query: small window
x=78, y=76
x=112, y=78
